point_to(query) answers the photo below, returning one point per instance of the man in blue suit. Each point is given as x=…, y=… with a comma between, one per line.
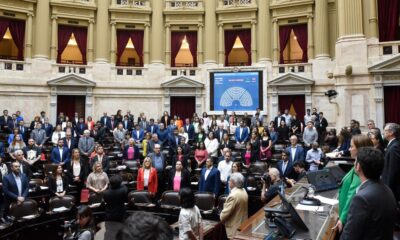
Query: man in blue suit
x=285, y=166
x=189, y=129
x=162, y=134
x=15, y=186
x=127, y=124
x=47, y=127
x=152, y=128
x=296, y=152
x=241, y=134
x=219, y=134
x=69, y=141
x=60, y=154
x=2, y=150
x=210, y=180
x=106, y=121
x=138, y=134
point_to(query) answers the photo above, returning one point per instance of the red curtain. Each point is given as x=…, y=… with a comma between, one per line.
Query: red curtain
x=191, y=37
x=122, y=40
x=137, y=39
x=298, y=102
x=230, y=37
x=184, y=107
x=81, y=39
x=245, y=38
x=388, y=15
x=176, y=43
x=64, y=34
x=17, y=30
x=392, y=98
x=4, y=23
x=284, y=35
x=301, y=33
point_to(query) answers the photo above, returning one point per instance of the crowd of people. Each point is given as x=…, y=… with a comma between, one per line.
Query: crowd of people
x=219, y=147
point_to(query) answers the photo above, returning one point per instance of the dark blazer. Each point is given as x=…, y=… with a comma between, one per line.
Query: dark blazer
x=136, y=137
x=55, y=155
x=82, y=175
x=105, y=162
x=155, y=128
x=189, y=129
x=184, y=160
x=53, y=184
x=10, y=187
x=163, y=136
x=100, y=133
x=213, y=182
x=277, y=122
x=372, y=213
x=115, y=203
x=165, y=122
x=80, y=127
x=135, y=154
x=218, y=132
x=283, y=133
x=185, y=178
x=300, y=154
x=6, y=122
x=288, y=171
x=25, y=169
x=108, y=122
x=48, y=129
x=172, y=142
x=74, y=143
x=127, y=125
x=391, y=170
x=24, y=132
x=2, y=150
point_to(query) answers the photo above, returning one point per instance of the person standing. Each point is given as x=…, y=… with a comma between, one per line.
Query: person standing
x=372, y=212
x=190, y=221
x=391, y=171
x=235, y=208
x=115, y=198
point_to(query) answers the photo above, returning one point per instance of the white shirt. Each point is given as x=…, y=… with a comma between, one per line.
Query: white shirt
x=61, y=153
x=225, y=168
x=146, y=177
x=208, y=170
x=212, y=146
x=76, y=170
x=293, y=152
x=284, y=165
x=189, y=220
x=19, y=183
x=59, y=184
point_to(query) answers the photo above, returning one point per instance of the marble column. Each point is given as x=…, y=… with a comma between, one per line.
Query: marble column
x=373, y=20
x=157, y=29
x=321, y=29
x=168, y=44
x=42, y=36
x=221, y=51
x=199, y=44
x=90, y=41
x=28, y=42
x=253, y=42
x=310, y=37
x=210, y=30
x=146, y=44
x=264, y=32
x=112, y=42
x=54, y=37
x=102, y=32
x=275, y=40
x=350, y=18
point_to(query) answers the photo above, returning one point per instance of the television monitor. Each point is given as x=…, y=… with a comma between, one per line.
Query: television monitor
x=236, y=91
x=293, y=213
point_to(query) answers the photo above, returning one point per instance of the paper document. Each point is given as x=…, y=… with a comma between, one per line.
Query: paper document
x=325, y=200
x=60, y=209
x=310, y=208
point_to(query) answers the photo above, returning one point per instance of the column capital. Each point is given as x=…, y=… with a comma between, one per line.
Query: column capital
x=220, y=24
x=113, y=23
x=275, y=20
x=91, y=21
x=200, y=25
x=54, y=17
x=167, y=25
x=29, y=14
x=147, y=25
x=253, y=22
x=310, y=16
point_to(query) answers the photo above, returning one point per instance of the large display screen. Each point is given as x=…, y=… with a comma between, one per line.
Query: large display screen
x=236, y=91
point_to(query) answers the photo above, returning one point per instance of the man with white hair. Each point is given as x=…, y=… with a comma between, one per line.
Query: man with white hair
x=271, y=187
x=235, y=209
x=86, y=144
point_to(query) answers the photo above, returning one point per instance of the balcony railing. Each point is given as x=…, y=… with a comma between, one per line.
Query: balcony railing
x=183, y=3
x=11, y=64
x=62, y=68
x=129, y=71
x=380, y=51
x=236, y=2
x=300, y=68
x=237, y=64
x=183, y=71
x=133, y=3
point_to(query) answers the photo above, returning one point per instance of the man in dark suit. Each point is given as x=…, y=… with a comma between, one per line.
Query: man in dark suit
x=23, y=131
x=152, y=127
x=2, y=151
x=101, y=157
x=143, y=124
x=69, y=141
x=24, y=167
x=105, y=121
x=189, y=129
x=15, y=186
x=241, y=134
x=372, y=211
x=219, y=134
x=127, y=125
x=75, y=119
x=81, y=127
x=86, y=145
x=210, y=178
x=131, y=118
x=39, y=135
x=278, y=119
x=5, y=122
x=138, y=134
x=98, y=133
x=295, y=151
x=391, y=171
x=48, y=128
x=60, y=154
x=174, y=142
x=323, y=124
x=285, y=166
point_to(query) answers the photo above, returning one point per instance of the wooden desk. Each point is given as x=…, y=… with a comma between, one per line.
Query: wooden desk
x=319, y=224
x=212, y=229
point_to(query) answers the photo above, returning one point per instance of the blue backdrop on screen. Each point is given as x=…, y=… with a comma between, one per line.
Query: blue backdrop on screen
x=236, y=91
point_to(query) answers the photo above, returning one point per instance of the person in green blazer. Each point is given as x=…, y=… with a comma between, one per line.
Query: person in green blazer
x=350, y=181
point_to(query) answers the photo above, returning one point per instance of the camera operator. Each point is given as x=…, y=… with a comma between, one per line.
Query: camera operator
x=84, y=228
x=271, y=185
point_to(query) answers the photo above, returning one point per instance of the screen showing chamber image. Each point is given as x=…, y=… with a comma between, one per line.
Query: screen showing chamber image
x=236, y=91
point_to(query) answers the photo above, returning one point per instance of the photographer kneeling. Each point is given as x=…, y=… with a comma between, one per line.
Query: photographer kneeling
x=84, y=228
x=271, y=184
